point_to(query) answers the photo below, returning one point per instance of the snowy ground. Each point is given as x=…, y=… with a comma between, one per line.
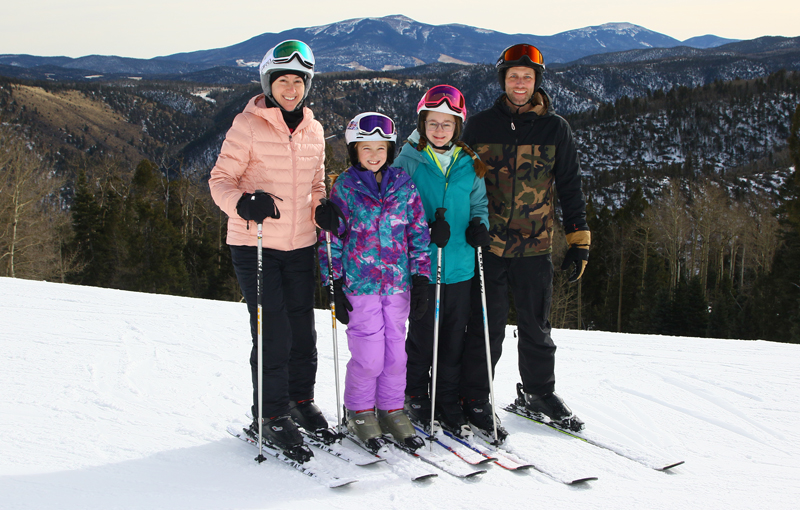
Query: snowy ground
x=112, y=399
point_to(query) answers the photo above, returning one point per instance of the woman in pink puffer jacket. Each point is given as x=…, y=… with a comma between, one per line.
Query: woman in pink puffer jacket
x=276, y=146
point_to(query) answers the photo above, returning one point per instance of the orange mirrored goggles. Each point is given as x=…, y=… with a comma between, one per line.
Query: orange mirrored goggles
x=519, y=51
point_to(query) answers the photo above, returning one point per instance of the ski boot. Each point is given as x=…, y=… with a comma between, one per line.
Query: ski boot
x=281, y=432
x=451, y=418
x=551, y=406
x=307, y=415
x=364, y=425
x=479, y=414
x=418, y=410
x=396, y=423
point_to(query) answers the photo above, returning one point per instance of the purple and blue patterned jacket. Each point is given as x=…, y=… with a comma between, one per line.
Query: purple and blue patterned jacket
x=385, y=239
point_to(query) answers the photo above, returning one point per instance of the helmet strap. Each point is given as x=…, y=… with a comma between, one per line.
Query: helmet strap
x=445, y=147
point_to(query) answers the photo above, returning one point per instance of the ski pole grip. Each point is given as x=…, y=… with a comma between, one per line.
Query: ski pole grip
x=260, y=192
x=475, y=221
x=440, y=213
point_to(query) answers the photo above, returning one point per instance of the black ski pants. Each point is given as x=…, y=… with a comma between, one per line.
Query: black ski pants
x=454, y=309
x=289, y=336
x=530, y=280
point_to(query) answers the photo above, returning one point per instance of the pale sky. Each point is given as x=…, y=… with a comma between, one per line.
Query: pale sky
x=148, y=28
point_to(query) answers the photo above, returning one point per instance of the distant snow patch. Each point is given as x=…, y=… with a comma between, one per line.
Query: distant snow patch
x=203, y=94
x=447, y=59
x=241, y=63
x=355, y=66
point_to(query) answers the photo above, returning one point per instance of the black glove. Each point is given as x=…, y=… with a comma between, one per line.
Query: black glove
x=440, y=229
x=327, y=215
x=419, y=296
x=257, y=206
x=578, y=253
x=343, y=306
x=477, y=234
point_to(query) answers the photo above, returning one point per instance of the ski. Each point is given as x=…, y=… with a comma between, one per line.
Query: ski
x=447, y=464
x=515, y=456
x=639, y=457
x=396, y=461
x=312, y=468
x=463, y=452
x=504, y=460
x=338, y=451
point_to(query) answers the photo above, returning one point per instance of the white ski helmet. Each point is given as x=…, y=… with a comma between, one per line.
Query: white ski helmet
x=370, y=127
x=290, y=55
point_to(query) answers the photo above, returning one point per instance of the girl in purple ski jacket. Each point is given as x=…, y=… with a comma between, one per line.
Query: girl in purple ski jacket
x=381, y=269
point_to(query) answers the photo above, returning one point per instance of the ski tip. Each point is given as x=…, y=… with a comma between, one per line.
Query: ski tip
x=475, y=473
x=370, y=461
x=341, y=482
x=670, y=466
x=426, y=476
x=582, y=480
x=523, y=467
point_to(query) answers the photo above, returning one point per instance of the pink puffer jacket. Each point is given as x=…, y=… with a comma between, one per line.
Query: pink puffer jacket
x=259, y=152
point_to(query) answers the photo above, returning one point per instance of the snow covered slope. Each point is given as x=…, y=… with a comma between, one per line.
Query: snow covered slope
x=112, y=399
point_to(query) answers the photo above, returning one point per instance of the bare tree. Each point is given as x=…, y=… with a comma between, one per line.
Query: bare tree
x=671, y=227
x=766, y=235
x=708, y=210
x=31, y=213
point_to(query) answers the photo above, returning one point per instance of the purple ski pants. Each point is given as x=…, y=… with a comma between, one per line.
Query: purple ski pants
x=376, y=336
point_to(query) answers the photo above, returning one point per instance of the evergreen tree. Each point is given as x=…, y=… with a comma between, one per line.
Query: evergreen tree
x=155, y=244
x=792, y=234
x=723, y=320
x=691, y=309
x=87, y=228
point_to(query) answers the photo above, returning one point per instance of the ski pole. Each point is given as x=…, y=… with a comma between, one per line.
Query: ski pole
x=335, y=342
x=486, y=339
x=260, y=457
x=439, y=215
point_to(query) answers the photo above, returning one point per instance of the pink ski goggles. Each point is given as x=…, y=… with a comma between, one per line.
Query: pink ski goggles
x=441, y=93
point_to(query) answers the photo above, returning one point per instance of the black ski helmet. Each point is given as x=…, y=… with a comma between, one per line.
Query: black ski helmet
x=520, y=55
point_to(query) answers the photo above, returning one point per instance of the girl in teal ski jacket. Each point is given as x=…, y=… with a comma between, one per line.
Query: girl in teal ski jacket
x=449, y=176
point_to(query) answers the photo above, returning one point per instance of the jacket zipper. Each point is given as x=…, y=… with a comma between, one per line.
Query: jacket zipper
x=294, y=187
x=513, y=185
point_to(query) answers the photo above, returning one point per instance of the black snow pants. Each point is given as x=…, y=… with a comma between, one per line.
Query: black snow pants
x=531, y=282
x=289, y=336
x=453, y=315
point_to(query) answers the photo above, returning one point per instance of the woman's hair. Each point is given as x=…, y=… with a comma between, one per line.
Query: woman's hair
x=478, y=165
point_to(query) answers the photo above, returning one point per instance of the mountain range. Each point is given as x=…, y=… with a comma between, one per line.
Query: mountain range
x=379, y=44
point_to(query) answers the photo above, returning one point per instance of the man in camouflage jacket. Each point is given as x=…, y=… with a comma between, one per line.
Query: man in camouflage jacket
x=531, y=156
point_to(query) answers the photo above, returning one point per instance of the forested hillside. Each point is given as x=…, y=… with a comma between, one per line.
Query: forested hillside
x=693, y=199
